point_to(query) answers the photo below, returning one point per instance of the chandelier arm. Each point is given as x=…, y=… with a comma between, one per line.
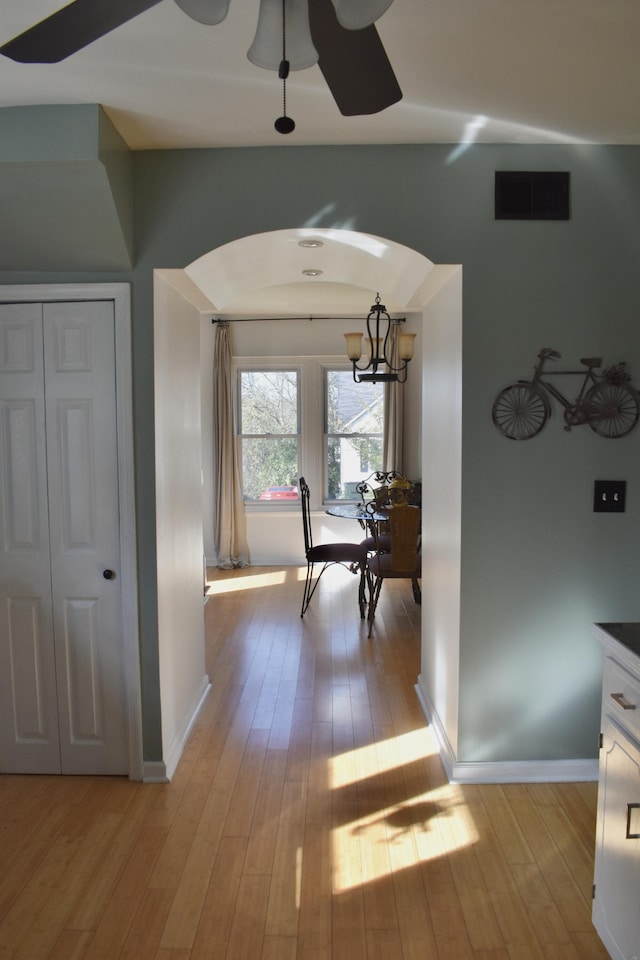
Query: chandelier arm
x=403, y=363
x=386, y=358
x=373, y=341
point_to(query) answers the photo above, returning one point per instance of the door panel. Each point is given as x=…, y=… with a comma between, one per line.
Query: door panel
x=616, y=911
x=80, y=611
x=28, y=697
x=84, y=535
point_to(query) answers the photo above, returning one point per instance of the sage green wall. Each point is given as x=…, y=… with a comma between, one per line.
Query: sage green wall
x=537, y=565
x=65, y=190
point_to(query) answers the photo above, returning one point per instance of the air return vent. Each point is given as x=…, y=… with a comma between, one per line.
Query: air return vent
x=523, y=195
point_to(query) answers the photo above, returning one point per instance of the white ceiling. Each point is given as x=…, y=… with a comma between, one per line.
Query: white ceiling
x=487, y=70
x=263, y=275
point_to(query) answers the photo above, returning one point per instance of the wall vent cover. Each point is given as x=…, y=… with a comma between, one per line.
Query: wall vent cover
x=521, y=195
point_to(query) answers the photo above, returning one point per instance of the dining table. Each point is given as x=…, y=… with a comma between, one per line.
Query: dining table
x=357, y=511
x=365, y=513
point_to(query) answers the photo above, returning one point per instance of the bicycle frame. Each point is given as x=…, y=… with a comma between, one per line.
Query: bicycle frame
x=590, y=379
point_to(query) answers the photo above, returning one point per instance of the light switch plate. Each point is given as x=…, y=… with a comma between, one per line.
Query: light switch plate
x=609, y=496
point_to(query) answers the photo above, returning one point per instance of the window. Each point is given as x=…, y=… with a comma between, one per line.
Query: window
x=306, y=417
x=269, y=427
x=354, y=416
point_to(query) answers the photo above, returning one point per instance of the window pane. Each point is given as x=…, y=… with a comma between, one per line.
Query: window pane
x=268, y=416
x=268, y=401
x=269, y=463
x=354, y=434
x=350, y=460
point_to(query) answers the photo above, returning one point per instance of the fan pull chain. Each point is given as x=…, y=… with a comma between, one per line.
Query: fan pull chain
x=284, y=124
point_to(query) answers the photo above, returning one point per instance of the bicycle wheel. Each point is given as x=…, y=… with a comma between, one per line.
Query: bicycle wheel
x=520, y=411
x=612, y=409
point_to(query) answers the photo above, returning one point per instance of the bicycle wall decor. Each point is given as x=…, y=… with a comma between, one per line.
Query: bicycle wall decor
x=607, y=401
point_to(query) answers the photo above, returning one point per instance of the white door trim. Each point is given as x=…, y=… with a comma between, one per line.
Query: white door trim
x=119, y=293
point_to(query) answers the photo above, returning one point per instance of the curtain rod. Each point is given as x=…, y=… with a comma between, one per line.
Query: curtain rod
x=260, y=319
x=309, y=318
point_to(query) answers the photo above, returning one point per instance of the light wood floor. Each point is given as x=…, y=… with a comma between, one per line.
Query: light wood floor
x=309, y=819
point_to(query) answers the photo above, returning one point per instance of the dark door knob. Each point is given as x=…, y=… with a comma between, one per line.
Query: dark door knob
x=108, y=574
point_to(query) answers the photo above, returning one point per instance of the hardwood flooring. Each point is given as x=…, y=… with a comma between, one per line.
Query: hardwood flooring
x=309, y=818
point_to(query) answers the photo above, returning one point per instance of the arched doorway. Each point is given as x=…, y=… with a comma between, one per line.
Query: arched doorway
x=262, y=276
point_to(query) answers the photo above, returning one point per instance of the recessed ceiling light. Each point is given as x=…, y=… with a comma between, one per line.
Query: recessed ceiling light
x=310, y=243
x=312, y=273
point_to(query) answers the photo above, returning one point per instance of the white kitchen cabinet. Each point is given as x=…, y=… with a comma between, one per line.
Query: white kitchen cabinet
x=616, y=905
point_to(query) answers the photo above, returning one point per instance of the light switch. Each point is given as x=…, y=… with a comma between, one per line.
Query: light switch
x=609, y=496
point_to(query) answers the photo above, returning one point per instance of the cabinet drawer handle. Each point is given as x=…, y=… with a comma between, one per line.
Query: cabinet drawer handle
x=630, y=834
x=622, y=701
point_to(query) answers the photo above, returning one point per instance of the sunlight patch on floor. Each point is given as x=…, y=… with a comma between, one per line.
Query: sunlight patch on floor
x=397, y=836
x=251, y=581
x=401, y=836
x=372, y=760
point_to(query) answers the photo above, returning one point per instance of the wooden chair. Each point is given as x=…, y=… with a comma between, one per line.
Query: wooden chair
x=353, y=556
x=402, y=561
x=379, y=498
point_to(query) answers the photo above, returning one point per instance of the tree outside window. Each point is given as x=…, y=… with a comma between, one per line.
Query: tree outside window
x=269, y=433
x=336, y=441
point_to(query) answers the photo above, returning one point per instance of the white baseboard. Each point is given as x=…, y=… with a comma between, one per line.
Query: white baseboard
x=515, y=771
x=163, y=771
x=154, y=771
x=264, y=560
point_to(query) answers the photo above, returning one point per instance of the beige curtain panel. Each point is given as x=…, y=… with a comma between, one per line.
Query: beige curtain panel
x=392, y=450
x=230, y=525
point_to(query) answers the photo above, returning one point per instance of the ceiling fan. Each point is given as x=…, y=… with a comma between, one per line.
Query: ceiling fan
x=337, y=34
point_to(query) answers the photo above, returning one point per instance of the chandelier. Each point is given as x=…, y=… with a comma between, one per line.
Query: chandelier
x=383, y=363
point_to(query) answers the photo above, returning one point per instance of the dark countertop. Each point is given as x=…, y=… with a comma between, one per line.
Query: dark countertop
x=626, y=633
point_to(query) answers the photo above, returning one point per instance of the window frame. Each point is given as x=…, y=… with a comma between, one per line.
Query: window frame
x=327, y=368
x=312, y=423
x=264, y=365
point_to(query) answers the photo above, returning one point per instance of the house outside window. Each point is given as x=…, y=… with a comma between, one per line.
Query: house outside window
x=354, y=417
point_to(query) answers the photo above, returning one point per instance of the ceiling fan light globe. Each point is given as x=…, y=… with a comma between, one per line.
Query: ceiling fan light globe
x=357, y=14
x=208, y=12
x=266, y=50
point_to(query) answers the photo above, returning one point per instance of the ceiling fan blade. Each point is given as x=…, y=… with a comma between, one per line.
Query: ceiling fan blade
x=205, y=11
x=354, y=63
x=72, y=28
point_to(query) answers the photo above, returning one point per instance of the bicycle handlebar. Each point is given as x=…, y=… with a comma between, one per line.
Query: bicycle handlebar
x=548, y=354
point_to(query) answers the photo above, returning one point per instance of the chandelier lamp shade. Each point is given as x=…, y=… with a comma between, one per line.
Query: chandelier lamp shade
x=381, y=363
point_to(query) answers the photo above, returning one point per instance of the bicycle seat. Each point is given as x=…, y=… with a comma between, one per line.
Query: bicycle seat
x=592, y=362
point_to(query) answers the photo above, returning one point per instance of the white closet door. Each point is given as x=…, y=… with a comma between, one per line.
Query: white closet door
x=29, y=741
x=79, y=622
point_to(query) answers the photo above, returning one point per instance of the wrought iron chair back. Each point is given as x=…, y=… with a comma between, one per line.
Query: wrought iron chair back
x=352, y=556
x=389, y=487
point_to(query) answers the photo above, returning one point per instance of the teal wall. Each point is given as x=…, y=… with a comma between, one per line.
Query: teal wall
x=538, y=567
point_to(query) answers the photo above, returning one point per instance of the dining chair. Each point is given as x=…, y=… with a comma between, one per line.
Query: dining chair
x=392, y=488
x=352, y=556
x=402, y=560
